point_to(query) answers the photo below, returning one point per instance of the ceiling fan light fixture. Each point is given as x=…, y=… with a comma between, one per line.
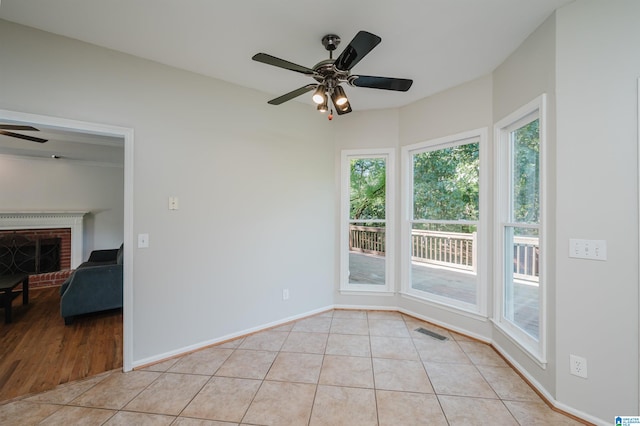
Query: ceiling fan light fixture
x=319, y=96
x=345, y=106
x=339, y=97
x=329, y=73
x=324, y=106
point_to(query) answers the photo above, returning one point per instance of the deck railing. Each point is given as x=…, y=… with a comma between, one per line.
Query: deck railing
x=367, y=239
x=450, y=249
x=526, y=261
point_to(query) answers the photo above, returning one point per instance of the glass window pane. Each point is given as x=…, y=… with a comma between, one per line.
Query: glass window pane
x=445, y=183
x=444, y=261
x=526, y=174
x=367, y=218
x=446, y=190
x=522, y=286
x=367, y=248
x=367, y=190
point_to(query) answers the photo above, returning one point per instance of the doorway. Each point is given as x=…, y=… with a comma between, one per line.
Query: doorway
x=127, y=135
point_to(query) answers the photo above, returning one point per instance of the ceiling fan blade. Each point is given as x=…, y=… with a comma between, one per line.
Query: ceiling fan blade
x=293, y=94
x=359, y=47
x=25, y=137
x=17, y=127
x=277, y=62
x=387, y=83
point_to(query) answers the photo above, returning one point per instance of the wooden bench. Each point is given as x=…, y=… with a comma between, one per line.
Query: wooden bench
x=7, y=284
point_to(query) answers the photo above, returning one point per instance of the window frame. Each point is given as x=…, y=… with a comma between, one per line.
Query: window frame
x=535, y=109
x=479, y=310
x=345, y=189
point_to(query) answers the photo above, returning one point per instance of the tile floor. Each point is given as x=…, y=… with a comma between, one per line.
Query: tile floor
x=337, y=368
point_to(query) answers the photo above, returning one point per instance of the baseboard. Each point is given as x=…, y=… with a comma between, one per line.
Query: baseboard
x=546, y=396
x=556, y=405
x=142, y=363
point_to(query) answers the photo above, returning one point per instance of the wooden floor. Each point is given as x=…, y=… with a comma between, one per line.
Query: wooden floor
x=38, y=352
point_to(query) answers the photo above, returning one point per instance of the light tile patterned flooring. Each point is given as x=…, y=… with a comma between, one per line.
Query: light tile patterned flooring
x=338, y=368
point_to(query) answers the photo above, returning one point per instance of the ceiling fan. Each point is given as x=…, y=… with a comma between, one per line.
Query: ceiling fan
x=4, y=130
x=330, y=73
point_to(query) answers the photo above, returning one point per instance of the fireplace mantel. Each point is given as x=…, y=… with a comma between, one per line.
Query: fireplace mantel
x=43, y=220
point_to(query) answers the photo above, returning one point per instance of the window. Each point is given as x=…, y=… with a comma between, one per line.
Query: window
x=520, y=303
x=442, y=231
x=366, y=222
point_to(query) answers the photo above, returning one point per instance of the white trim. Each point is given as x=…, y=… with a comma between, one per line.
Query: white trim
x=528, y=351
x=445, y=305
x=638, y=169
x=446, y=326
x=365, y=292
x=480, y=135
x=533, y=382
x=388, y=154
x=127, y=135
x=187, y=349
x=523, y=115
x=367, y=308
x=206, y=343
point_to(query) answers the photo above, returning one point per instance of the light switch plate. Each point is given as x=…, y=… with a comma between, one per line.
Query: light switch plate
x=143, y=240
x=173, y=203
x=588, y=249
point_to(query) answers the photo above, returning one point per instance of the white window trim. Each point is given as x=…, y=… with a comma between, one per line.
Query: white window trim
x=345, y=186
x=480, y=308
x=536, y=349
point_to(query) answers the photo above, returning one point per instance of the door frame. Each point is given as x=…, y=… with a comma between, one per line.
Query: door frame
x=128, y=135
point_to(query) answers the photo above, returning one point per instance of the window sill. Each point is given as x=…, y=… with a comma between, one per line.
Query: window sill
x=541, y=361
x=366, y=292
x=450, y=308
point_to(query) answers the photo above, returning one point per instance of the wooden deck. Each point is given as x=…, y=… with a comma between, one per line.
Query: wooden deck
x=447, y=282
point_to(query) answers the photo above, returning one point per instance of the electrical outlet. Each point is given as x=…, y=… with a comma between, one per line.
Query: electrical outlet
x=578, y=366
x=285, y=294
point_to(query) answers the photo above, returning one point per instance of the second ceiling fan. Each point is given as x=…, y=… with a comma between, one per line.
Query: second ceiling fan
x=330, y=73
x=9, y=130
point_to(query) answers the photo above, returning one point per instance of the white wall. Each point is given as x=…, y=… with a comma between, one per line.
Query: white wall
x=597, y=198
x=59, y=185
x=254, y=181
x=459, y=109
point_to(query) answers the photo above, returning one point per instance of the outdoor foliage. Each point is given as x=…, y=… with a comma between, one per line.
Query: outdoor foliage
x=526, y=173
x=368, y=189
x=446, y=183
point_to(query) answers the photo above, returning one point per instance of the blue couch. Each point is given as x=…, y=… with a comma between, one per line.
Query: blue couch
x=96, y=285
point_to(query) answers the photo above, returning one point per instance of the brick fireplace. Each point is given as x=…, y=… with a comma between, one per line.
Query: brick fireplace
x=65, y=228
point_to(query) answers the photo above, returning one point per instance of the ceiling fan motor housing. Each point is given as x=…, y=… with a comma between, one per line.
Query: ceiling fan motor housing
x=330, y=42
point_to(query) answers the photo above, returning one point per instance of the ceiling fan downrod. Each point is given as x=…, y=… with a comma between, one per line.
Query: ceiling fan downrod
x=330, y=42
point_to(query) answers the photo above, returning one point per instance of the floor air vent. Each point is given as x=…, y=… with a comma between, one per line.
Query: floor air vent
x=431, y=333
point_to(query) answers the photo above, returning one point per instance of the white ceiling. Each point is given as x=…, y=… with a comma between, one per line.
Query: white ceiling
x=437, y=43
